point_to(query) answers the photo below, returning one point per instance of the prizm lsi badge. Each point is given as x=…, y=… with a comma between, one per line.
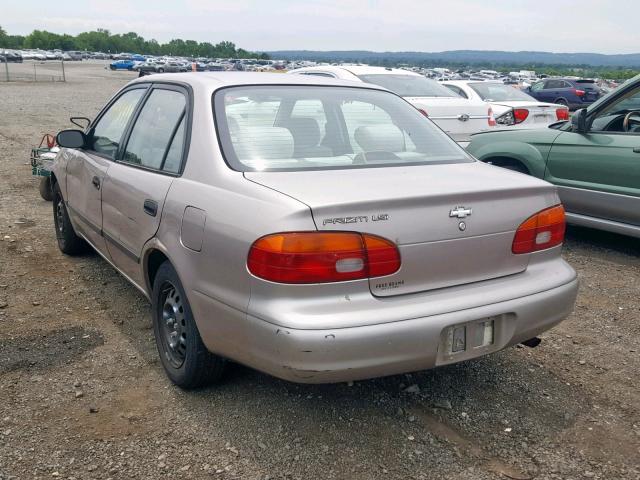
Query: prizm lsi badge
x=359, y=219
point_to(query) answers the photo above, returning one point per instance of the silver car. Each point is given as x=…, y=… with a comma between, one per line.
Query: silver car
x=315, y=229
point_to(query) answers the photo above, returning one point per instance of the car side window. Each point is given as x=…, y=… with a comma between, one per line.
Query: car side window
x=173, y=161
x=554, y=84
x=107, y=133
x=148, y=143
x=457, y=90
x=536, y=87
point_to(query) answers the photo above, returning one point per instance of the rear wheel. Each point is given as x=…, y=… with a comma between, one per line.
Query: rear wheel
x=184, y=356
x=68, y=242
x=160, y=70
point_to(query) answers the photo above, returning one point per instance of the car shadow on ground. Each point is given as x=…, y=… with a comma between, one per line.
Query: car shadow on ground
x=589, y=237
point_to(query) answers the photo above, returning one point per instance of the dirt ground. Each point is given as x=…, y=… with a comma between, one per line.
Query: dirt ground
x=83, y=395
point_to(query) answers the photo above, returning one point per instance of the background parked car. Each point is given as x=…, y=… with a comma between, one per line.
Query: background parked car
x=10, y=56
x=459, y=117
x=122, y=65
x=171, y=67
x=75, y=55
x=594, y=160
x=574, y=93
x=511, y=106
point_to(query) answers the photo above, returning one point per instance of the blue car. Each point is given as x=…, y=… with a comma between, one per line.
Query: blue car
x=122, y=65
x=573, y=93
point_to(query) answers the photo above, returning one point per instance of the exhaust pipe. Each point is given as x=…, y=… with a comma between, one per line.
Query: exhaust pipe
x=532, y=342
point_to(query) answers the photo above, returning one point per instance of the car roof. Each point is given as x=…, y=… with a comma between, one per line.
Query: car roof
x=215, y=80
x=359, y=70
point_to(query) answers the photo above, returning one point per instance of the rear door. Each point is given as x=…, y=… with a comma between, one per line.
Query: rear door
x=87, y=168
x=137, y=184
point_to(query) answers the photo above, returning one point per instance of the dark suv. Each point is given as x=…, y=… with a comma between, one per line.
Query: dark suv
x=566, y=91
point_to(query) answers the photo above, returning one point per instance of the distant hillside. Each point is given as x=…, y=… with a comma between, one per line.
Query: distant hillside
x=465, y=57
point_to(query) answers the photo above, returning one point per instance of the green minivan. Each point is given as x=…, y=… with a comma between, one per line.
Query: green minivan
x=594, y=159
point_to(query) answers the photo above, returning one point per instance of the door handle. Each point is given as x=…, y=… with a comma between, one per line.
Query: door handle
x=636, y=150
x=95, y=181
x=151, y=207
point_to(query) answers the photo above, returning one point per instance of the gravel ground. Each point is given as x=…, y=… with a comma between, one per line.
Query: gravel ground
x=84, y=396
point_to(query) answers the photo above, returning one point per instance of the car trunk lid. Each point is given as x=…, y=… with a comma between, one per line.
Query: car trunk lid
x=458, y=117
x=453, y=224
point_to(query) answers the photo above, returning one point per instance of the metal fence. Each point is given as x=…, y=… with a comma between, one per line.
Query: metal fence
x=32, y=71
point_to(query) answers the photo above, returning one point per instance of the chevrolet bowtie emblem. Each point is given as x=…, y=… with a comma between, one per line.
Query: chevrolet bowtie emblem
x=460, y=212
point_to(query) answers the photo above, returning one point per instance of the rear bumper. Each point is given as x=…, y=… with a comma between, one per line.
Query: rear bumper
x=343, y=354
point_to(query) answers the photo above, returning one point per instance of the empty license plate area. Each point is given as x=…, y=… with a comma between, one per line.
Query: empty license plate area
x=470, y=339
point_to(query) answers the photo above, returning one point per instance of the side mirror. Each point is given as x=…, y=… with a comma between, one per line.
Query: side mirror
x=71, y=139
x=579, y=121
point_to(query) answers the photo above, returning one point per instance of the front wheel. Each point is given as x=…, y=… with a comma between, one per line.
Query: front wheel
x=184, y=356
x=561, y=101
x=45, y=189
x=160, y=70
x=68, y=241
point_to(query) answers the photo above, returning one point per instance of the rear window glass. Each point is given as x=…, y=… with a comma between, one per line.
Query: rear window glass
x=313, y=127
x=498, y=92
x=409, y=85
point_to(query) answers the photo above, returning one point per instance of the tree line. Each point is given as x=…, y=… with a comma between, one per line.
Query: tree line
x=102, y=40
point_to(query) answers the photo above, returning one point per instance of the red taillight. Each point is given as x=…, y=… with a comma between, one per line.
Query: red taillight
x=562, y=114
x=579, y=93
x=424, y=112
x=520, y=114
x=491, y=120
x=543, y=230
x=320, y=257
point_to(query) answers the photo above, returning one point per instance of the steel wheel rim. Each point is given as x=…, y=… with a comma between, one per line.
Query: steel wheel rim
x=173, y=325
x=60, y=216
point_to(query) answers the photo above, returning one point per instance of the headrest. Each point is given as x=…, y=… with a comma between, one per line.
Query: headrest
x=305, y=131
x=380, y=138
x=262, y=143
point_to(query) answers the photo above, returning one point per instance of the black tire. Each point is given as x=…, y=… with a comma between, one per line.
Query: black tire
x=160, y=70
x=184, y=356
x=45, y=189
x=561, y=101
x=111, y=67
x=68, y=242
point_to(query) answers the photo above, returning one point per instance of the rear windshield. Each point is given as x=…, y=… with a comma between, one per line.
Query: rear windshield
x=409, y=85
x=498, y=92
x=315, y=127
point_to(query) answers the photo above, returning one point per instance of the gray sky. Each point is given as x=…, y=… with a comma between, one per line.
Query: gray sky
x=381, y=25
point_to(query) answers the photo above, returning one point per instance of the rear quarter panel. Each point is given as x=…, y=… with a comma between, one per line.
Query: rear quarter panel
x=530, y=147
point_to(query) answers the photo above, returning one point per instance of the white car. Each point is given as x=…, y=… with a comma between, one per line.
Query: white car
x=511, y=106
x=459, y=117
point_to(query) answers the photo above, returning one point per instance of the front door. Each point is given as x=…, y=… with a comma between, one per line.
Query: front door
x=138, y=182
x=598, y=173
x=87, y=168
